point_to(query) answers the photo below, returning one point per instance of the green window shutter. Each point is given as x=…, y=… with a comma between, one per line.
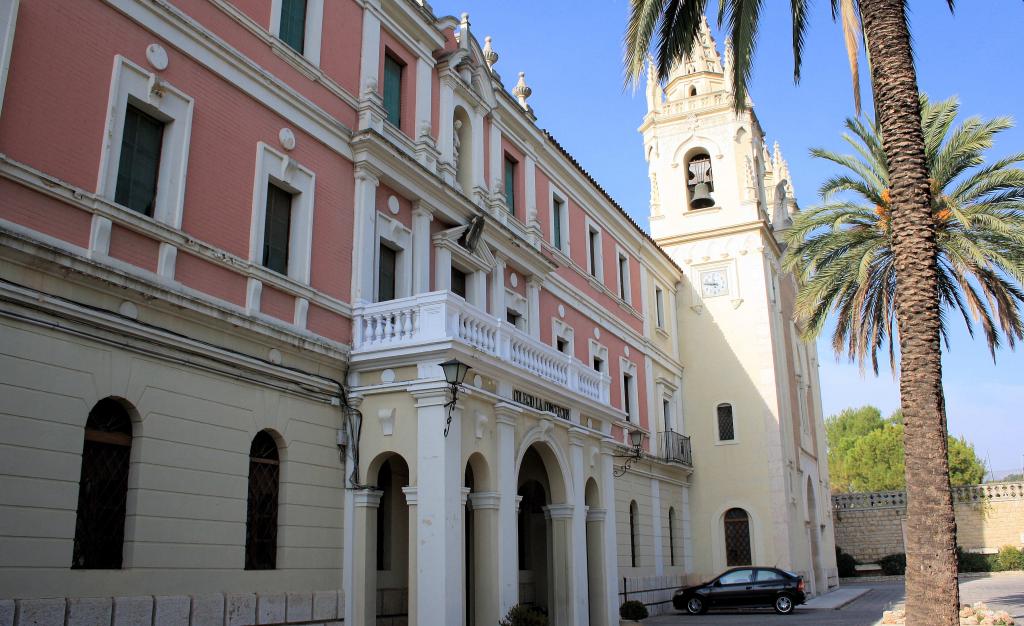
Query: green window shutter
x=293, y=24
x=510, y=185
x=393, y=90
x=556, y=233
x=277, y=229
x=386, y=274
x=139, y=167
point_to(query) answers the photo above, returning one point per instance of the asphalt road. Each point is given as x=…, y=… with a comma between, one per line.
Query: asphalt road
x=999, y=592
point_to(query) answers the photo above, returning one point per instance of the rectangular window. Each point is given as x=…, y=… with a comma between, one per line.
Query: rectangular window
x=556, y=223
x=139, y=168
x=598, y=364
x=458, y=282
x=386, y=274
x=666, y=412
x=659, y=306
x=293, y=24
x=726, y=429
x=393, y=70
x=512, y=317
x=627, y=396
x=594, y=239
x=510, y=184
x=277, y=229
x=623, y=277
x=562, y=345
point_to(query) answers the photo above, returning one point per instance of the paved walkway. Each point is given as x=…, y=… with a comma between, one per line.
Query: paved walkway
x=836, y=599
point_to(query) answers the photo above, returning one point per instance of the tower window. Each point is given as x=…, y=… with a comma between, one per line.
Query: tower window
x=700, y=182
x=103, y=488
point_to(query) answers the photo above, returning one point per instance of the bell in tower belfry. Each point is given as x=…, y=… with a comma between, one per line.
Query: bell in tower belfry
x=700, y=182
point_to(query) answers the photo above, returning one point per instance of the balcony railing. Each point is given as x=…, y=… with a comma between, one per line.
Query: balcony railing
x=441, y=315
x=676, y=448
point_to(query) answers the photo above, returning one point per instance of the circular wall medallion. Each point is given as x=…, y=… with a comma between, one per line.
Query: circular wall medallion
x=157, y=56
x=478, y=382
x=597, y=333
x=129, y=310
x=275, y=356
x=561, y=310
x=393, y=205
x=287, y=138
x=387, y=376
x=513, y=279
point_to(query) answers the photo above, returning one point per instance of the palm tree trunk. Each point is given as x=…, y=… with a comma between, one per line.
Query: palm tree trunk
x=931, y=580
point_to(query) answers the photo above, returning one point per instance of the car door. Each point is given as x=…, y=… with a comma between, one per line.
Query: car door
x=767, y=585
x=733, y=588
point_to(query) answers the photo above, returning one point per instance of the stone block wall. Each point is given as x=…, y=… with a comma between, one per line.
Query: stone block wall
x=320, y=608
x=654, y=591
x=870, y=526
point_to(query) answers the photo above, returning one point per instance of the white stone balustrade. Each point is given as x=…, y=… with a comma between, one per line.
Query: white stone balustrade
x=441, y=315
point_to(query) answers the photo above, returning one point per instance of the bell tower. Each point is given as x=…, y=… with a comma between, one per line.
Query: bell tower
x=708, y=165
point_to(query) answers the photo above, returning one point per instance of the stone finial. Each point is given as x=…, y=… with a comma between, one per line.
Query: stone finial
x=490, y=56
x=521, y=91
x=464, y=31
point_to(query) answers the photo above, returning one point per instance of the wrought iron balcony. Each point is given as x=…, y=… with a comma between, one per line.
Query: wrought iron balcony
x=676, y=448
x=443, y=316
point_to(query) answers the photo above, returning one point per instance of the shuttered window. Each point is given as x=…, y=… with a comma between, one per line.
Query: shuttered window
x=393, y=89
x=139, y=167
x=293, y=24
x=277, y=229
x=510, y=184
x=103, y=488
x=261, y=518
x=386, y=274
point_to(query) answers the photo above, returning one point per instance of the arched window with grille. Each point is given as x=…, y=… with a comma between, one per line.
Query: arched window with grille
x=261, y=520
x=634, y=515
x=726, y=427
x=103, y=487
x=671, y=536
x=737, y=537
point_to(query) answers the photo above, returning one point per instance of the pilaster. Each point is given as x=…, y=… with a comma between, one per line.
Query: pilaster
x=506, y=416
x=364, y=246
x=422, y=216
x=579, y=592
x=533, y=301
x=364, y=598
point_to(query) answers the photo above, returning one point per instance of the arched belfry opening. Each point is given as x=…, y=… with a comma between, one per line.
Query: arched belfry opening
x=700, y=183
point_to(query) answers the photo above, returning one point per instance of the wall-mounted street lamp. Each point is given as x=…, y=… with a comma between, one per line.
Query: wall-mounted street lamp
x=636, y=440
x=454, y=374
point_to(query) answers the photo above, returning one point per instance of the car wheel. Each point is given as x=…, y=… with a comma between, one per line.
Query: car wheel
x=784, y=605
x=695, y=606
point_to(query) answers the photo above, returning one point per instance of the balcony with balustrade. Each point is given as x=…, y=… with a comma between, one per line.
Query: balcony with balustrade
x=441, y=320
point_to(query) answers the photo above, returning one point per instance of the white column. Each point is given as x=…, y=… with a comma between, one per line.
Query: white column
x=580, y=593
x=505, y=417
x=446, y=132
x=497, y=191
x=477, y=289
x=411, y=500
x=442, y=269
x=485, y=538
x=423, y=96
x=611, y=561
x=531, y=193
x=562, y=605
x=364, y=595
x=533, y=301
x=348, y=561
x=421, y=246
x=370, y=104
x=479, y=181
x=656, y=521
x=439, y=510
x=364, y=250
x=498, y=288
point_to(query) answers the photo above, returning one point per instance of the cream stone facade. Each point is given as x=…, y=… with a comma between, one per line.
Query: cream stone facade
x=234, y=254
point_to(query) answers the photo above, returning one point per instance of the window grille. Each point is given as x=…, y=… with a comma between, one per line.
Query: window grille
x=261, y=521
x=139, y=167
x=737, y=538
x=103, y=488
x=726, y=430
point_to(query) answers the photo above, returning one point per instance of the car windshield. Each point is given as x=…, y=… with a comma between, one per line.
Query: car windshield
x=738, y=576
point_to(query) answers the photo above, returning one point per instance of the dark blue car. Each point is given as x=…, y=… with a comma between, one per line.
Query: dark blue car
x=743, y=587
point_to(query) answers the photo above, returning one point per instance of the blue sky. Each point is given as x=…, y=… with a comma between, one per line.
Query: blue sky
x=571, y=52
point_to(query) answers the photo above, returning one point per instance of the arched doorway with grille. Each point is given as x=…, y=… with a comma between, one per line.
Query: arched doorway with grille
x=736, y=529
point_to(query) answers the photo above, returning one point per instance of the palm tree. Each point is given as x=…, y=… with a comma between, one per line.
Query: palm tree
x=931, y=584
x=841, y=252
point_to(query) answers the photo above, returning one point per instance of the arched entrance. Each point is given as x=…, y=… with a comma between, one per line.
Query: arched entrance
x=390, y=474
x=480, y=523
x=819, y=582
x=544, y=535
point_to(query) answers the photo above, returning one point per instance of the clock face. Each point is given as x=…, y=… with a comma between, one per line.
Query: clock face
x=714, y=283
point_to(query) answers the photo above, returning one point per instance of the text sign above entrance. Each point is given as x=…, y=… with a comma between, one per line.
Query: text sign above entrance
x=540, y=404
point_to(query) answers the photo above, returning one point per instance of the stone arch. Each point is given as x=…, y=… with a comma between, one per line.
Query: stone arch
x=374, y=466
x=592, y=494
x=555, y=463
x=718, y=534
x=481, y=471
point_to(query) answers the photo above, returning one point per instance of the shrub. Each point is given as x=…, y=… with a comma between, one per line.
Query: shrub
x=524, y=615
x=894, y=564
x=846, y=563
x=972, y=561
x=633, y=610
x=1009, y=558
